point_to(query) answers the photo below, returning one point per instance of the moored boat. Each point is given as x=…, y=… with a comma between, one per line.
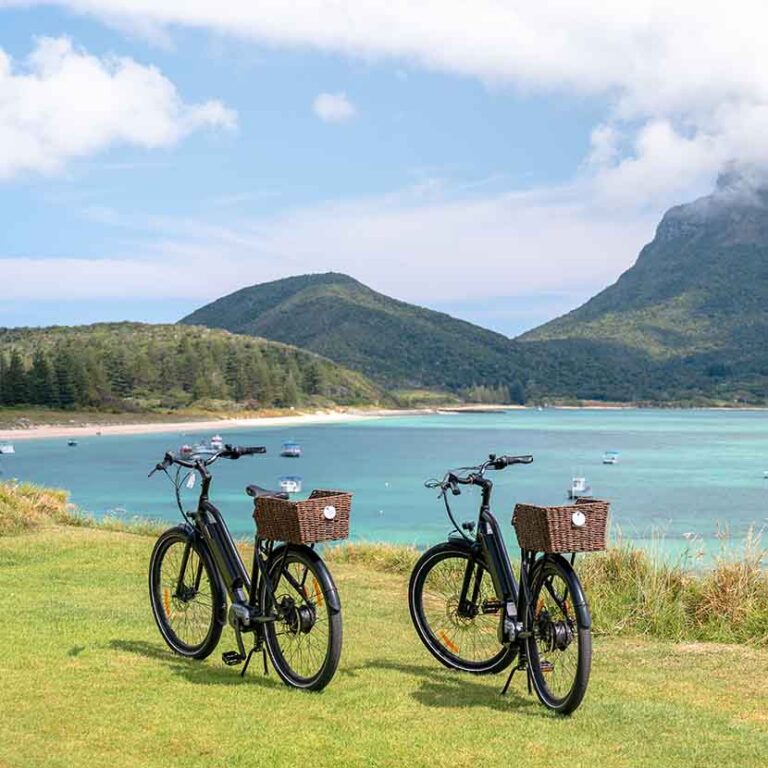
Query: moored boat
x=7, y=448
x=291, y=450
x=290, y=484
x=580, y=488
x=611, y=457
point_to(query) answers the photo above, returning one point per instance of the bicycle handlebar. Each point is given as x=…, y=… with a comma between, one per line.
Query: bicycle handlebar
x=476, y=475
x=227, y=452
x=501, y=462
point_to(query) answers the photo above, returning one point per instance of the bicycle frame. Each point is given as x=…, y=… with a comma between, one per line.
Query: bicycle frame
x=243, y=588
x=491, y=555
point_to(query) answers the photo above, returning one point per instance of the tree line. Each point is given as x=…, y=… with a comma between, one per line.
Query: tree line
x=129, y=366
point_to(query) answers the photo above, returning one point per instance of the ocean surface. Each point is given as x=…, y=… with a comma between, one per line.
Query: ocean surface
x=680, y=473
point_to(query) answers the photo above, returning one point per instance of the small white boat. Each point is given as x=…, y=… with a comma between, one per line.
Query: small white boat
x=217, y=442
x=7, y=448
x=291, y=450
x=579, y=489
x=202, y=449
x=611, y=457
x=290, y=484
x=71, y=443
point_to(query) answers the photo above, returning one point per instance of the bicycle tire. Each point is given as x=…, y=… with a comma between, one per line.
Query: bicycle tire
x=441, y=641
x=562, y=692
x=295, y=652
x=202, y=602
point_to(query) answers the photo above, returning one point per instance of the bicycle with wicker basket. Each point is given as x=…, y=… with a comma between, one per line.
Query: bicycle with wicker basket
x=474, y=615
x=288, y=601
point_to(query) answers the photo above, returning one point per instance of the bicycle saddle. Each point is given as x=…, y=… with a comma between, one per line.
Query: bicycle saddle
x=257, y=492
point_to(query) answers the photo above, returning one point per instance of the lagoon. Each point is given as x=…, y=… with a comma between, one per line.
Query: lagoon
x=680, y=472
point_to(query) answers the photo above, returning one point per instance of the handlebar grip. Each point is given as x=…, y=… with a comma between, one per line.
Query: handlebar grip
x=163, y=465
x=506, y=461
x=252, y=450
x=236, y=451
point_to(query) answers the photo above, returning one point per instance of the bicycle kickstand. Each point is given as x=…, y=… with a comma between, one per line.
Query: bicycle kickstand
x=509, y=680
x=248, y=659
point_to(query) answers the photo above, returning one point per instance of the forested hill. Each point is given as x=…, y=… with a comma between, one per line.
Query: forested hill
x=687, y=323
x=395, y=343
x=137, y=366
x=690, y=318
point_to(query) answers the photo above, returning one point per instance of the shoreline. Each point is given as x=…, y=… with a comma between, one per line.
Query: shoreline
x=319, y=417
x=43, y=431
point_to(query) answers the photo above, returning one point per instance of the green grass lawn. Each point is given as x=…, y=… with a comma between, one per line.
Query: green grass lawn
x=86, y=680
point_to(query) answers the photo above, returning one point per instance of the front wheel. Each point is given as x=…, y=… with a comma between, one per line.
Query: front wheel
x=304, y=642
x=560, y=647
x=188, y=602
x=461, y=634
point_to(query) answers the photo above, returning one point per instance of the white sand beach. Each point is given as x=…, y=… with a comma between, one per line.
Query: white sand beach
x=82, y=430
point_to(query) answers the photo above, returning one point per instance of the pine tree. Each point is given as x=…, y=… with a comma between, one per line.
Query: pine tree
x=64, y=368
x=43, y=386
x=291, y=392
x=3, y=380
x=16, y=381
x=517, y=393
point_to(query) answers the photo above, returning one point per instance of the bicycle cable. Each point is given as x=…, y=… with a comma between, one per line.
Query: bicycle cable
x=443, y=485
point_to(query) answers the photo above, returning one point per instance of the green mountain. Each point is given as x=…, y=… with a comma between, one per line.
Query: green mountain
x=690, y=318
x=687, y=323
x=397, y=344
x=132, y=366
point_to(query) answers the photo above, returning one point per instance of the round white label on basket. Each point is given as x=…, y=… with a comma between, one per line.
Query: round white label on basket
x=329, y=512
x=578, y=518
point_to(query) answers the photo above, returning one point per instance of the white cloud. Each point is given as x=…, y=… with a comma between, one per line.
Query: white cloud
x=687, y=76
x=549, y=242
x=62, y=103
x=334, y=107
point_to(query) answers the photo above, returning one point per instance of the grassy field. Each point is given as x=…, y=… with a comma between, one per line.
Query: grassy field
x=87, y=681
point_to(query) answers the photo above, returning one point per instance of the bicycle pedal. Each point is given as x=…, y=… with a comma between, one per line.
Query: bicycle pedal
x=232, y=658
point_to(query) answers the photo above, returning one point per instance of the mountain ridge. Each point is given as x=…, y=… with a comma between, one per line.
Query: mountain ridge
x=687, y=322
x=393, y=342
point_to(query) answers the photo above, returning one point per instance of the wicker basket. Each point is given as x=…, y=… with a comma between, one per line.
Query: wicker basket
x=573, y=528
x=324, y=516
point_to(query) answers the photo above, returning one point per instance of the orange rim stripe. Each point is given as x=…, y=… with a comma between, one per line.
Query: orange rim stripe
x=447, y=642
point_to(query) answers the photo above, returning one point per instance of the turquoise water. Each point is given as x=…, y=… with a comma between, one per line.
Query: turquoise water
x=680, y=471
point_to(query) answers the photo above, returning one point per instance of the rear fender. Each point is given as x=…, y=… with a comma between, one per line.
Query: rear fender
x=575, y=589
x=330, y=592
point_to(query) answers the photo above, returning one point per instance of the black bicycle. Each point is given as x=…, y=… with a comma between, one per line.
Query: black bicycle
x=288, y=601
x=475, y=616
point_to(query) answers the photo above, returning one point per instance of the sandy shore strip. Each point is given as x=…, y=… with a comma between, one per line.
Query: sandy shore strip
x=195, y=427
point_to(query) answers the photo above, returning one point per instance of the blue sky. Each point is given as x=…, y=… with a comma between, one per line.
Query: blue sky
x=499, y=196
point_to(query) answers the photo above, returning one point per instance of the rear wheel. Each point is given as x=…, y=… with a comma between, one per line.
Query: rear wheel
x=560, y=649
x=304, y=643
x=463, y=637
x=187, y=600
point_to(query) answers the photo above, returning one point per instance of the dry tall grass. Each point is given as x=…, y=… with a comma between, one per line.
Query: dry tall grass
x=631, y=591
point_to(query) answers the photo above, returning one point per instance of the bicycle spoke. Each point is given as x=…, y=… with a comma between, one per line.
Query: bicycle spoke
x=188, y=609
x=473, y=635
